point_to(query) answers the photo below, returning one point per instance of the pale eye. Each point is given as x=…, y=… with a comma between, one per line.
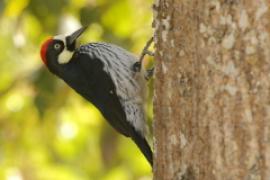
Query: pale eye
x=57, y=46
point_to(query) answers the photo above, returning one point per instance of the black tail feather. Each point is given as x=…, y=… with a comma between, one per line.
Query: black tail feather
x=144, y=147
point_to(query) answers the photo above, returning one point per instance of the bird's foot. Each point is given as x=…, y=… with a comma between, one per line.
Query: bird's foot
x=137, y=65
x=149, y=73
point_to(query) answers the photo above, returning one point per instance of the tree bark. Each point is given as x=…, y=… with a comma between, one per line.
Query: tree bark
x=212, y=89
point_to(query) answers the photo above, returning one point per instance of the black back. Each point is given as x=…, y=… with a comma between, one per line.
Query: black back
x=87, y=77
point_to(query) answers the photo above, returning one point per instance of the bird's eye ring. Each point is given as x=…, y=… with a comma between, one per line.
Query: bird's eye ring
x=57, y=46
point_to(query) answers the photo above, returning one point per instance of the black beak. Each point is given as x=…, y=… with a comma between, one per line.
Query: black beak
x=72, y=38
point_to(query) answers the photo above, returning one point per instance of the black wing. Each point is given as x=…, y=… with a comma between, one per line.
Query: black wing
x=86, y=76
x=110, y=107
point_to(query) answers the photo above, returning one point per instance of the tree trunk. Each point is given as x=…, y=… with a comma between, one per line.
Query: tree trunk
x=212, y=89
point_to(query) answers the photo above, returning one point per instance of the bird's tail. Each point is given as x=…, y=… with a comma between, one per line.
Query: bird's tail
x=144, y=147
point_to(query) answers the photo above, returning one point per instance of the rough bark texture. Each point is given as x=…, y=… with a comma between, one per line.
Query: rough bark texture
x=212, y=89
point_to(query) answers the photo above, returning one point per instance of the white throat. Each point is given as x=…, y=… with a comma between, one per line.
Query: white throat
x=66, y=55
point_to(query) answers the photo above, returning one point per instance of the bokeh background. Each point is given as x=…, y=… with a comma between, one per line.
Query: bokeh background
x=47, y=131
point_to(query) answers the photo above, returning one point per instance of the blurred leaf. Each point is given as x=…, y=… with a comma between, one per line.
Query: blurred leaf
x=117, y=174
x=15, y=7
x=113, y=18
x=45, y=88
x=89, y=15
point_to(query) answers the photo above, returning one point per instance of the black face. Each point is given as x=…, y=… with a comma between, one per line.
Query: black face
x=53, y=52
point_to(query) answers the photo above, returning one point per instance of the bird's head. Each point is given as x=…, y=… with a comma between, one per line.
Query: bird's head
x=58, y=50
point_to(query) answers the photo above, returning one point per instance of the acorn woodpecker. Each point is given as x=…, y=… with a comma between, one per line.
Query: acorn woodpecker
x=103, y=74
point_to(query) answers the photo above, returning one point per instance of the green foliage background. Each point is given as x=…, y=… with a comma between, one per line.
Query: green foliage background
x=47, y=131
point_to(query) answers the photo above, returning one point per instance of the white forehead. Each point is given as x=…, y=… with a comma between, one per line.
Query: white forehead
x=60, y=37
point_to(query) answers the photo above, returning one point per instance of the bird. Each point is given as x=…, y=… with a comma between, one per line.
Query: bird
x=103, y=74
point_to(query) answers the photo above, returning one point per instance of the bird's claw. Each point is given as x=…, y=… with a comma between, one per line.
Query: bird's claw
x=149, y=73
x=137, y=66
x=149, y=53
